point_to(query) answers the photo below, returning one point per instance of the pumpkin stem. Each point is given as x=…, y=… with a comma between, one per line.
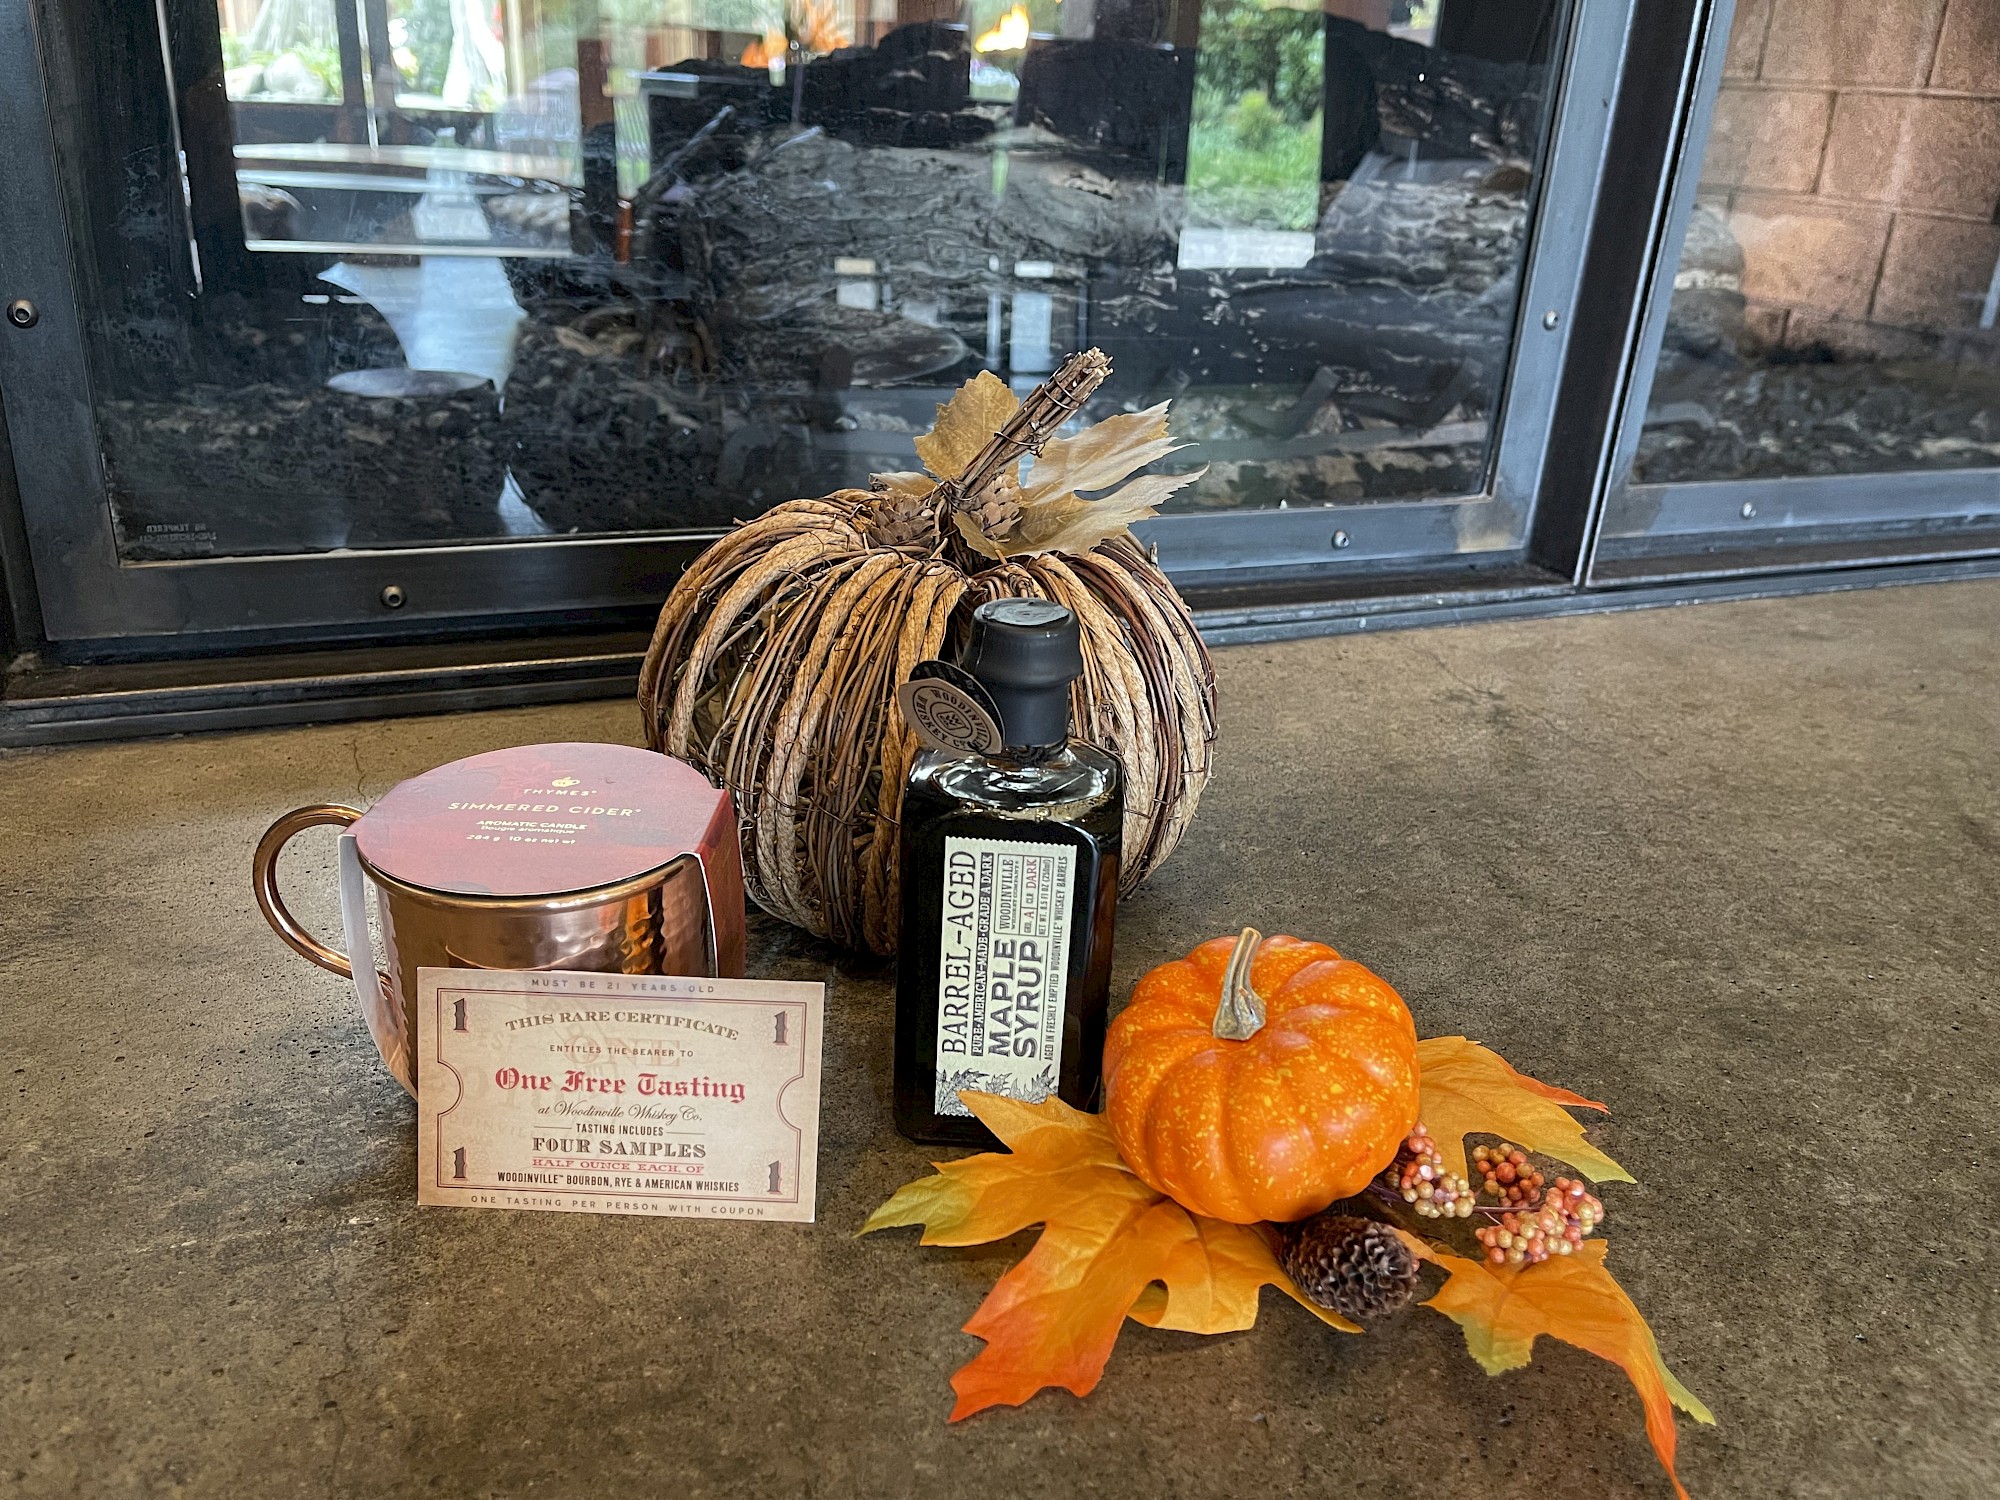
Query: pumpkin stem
x=1028, y=431
x=1240, y=1013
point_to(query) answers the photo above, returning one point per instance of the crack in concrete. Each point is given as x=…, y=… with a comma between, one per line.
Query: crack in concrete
x=1554, y=726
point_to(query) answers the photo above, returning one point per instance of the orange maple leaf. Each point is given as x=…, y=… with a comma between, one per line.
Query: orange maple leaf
x=1110, y=1248
x=1503, y=1310
x=1467, y=1089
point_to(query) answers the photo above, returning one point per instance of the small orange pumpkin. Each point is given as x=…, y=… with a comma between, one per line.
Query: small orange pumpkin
x=1260, y=1078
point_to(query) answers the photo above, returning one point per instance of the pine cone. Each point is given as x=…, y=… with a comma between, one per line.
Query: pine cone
x=995, y=506
x=1357, y=1267
x=903, y=521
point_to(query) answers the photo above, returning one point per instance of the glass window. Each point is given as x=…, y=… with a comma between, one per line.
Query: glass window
x=282, y=52
x=459, y=270
x=1837, y=298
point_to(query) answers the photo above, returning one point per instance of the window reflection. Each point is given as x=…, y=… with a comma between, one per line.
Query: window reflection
x=513, y=267
x=282, y=51
x=1837, y=296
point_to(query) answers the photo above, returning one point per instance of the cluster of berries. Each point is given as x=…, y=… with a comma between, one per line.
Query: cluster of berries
x=1418, y=1177
x=1528, y=1237
x=1506, y=1174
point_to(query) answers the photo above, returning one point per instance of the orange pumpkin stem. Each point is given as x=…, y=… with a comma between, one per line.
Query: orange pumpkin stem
x=1239, y=1015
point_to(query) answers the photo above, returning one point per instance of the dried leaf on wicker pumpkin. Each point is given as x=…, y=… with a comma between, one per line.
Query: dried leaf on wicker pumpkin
x=1573, y=1298
x=1107, y=1240
x=1055, y=516
x=966, y=423
x=1468, y=1089
x=1070, y=523
x=1103, y=454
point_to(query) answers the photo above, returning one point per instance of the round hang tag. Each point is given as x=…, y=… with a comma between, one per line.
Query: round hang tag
x=951, y=710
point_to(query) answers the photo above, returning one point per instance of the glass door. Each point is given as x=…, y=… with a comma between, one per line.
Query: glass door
x=379, y=312
x=1820, y=379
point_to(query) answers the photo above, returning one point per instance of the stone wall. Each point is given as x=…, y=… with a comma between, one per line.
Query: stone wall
x=1856, y=153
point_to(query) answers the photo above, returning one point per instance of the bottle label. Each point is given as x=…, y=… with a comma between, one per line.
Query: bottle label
x=1003, y=963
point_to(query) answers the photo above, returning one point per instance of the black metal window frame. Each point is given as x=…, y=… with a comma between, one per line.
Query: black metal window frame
x=539, y=620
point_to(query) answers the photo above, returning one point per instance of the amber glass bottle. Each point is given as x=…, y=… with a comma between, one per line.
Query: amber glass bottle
x=1009, y=880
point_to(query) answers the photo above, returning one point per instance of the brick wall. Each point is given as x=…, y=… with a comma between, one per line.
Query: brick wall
x=1856, y=153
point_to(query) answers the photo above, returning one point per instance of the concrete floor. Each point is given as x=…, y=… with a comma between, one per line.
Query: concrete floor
x=1734, y=869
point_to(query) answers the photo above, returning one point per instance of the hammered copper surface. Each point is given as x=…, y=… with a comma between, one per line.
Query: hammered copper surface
x=654, y=924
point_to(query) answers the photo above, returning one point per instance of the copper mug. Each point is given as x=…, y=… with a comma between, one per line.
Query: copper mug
x=594, y=857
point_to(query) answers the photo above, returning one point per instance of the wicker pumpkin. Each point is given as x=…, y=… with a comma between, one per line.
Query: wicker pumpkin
x=778, y=654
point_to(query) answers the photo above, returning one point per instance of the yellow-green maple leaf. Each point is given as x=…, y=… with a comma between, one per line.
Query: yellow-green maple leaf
x=1467, y=1089
x=1503, y=1310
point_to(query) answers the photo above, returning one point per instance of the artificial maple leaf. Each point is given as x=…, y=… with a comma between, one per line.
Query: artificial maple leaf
x=1053, y=1318
x=1467, y=1089
x=1107, y=1240
x=1213, y=1286
x=1059, y=1157
x=966, y=423
x=1503, y=1310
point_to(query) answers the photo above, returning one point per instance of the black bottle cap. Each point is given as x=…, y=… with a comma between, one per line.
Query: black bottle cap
x=1026, y=653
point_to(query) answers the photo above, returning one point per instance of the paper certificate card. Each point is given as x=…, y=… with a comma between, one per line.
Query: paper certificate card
x=618, y=1093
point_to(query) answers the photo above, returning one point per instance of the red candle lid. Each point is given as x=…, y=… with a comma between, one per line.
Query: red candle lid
x=541, y=820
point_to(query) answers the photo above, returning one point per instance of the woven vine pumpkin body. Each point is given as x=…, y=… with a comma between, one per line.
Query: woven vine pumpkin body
x=1260, y=1078
x=776, y=661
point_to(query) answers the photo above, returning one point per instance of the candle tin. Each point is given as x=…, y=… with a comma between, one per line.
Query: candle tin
x=566, y=856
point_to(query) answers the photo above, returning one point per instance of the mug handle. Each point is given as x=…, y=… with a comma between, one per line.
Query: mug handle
x=264, y=877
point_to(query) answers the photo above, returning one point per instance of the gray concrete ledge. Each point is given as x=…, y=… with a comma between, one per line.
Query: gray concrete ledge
x=1734, y=869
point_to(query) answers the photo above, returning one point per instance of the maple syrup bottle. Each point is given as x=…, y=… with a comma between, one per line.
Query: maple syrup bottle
x=1010, y=878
